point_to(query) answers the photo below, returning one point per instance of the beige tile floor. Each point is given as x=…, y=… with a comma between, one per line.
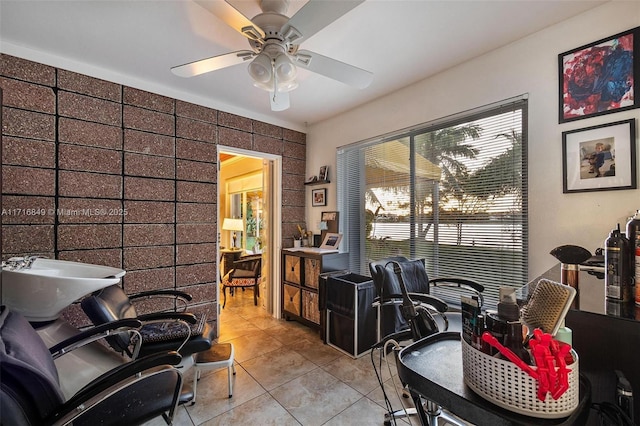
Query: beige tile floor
x=285, y=376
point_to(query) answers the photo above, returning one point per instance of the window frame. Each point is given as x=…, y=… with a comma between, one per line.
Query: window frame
x=351, y=184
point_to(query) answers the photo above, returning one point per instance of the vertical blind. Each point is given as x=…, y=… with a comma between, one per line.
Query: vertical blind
x=453, y=192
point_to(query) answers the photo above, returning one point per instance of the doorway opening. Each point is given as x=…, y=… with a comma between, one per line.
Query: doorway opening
x=250, y=208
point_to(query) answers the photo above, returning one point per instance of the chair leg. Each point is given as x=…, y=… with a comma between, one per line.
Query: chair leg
x=196, y=377
x=224, y=293
x=255, y=295
x=231, y=370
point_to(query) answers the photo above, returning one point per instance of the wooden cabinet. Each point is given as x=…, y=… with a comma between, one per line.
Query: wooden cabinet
x=300, y=282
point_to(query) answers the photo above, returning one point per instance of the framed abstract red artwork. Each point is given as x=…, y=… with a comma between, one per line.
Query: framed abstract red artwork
x=599, y=78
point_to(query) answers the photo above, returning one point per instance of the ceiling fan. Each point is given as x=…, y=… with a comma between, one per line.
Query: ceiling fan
x=275, y=40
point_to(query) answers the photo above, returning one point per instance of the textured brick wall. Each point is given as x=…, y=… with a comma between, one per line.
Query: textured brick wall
x=79, y=152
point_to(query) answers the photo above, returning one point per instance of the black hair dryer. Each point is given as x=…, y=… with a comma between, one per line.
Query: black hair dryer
x=570, y=258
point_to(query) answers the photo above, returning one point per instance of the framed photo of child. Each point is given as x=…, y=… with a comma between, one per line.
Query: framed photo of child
x=599, y=158
x=324, y=173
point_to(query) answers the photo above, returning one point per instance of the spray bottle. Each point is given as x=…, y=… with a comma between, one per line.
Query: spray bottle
x=617, y=279
x=633, y=235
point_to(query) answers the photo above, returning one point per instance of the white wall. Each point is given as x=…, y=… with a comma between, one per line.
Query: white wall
x=527, y=66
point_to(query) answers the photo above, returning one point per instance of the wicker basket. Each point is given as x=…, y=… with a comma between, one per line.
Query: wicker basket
x=505, y=384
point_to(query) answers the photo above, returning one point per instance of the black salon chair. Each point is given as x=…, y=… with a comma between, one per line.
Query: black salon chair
x=161, y=331
x=431, y=292
x=408, y=312
x=30, y=392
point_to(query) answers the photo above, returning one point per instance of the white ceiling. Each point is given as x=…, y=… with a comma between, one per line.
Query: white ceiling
x=137, y=42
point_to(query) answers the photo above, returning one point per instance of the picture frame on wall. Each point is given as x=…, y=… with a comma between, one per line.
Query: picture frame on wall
x=319, y=197
x=599, y=78
x=324, y=173
x=326, y=216
x=599, y=158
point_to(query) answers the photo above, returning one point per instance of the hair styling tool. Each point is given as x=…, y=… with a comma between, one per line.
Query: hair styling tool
x=548, y=306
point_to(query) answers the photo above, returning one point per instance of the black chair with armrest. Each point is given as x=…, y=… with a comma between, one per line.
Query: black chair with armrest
x=161, y=331
x=30, y=392
x=408, y=312
x=246, y=272
x=419, y=288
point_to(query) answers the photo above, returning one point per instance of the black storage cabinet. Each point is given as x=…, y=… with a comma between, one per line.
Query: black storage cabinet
x=322, y=293
x=351, y=319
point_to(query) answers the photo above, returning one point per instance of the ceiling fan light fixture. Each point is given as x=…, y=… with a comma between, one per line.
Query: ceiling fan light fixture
x=261, y=69
x=287, y=87
x=284, y=68
x=268, y=86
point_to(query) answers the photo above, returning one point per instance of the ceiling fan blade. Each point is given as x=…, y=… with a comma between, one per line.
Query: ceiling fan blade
x=233, y=17
x=279, y=100
x=317, y=14
x=211, y=64
x=345, y=73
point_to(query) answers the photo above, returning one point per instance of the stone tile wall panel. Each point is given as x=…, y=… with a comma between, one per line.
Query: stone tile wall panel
x=149, y=121
x=233, y=121
x=195, y=274
x=29, y=96
x=196, y=192
x=90, y=185
x=149, y=212
x=149, y=166
x=89, y=210
x=109, y=257
x=74, y=237
x=22, y=69
x=28, y=124
x=148, y=234
x=197, y=112
x=81, y=132
x=234, y=138
x=90, y=86
x=148, y=257
x=195, y=171
x=87, y=108
x=196, y=253
x=267, y=144
x=148, y=100
x=89, y=159
x=149, y=279
x=294, y=150
x=199, y=151
x=266, y=129
x=196, y=212
x=26, y=209
x=149, y=189
x=32, y=239
x=28, y=152
x=149, y=143
x=196, y=233
x=28, y=180
x=187, y=128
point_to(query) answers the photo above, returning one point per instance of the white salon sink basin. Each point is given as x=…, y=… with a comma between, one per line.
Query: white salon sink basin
x=41, y=292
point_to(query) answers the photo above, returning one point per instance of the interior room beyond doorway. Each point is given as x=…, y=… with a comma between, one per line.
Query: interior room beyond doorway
x=243, y=224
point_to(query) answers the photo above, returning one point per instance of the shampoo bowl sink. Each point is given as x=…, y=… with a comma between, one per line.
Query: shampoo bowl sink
x=43, y=290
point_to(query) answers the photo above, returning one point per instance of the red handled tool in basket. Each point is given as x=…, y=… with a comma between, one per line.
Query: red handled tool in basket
x=508, y=353
x=549, y=354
